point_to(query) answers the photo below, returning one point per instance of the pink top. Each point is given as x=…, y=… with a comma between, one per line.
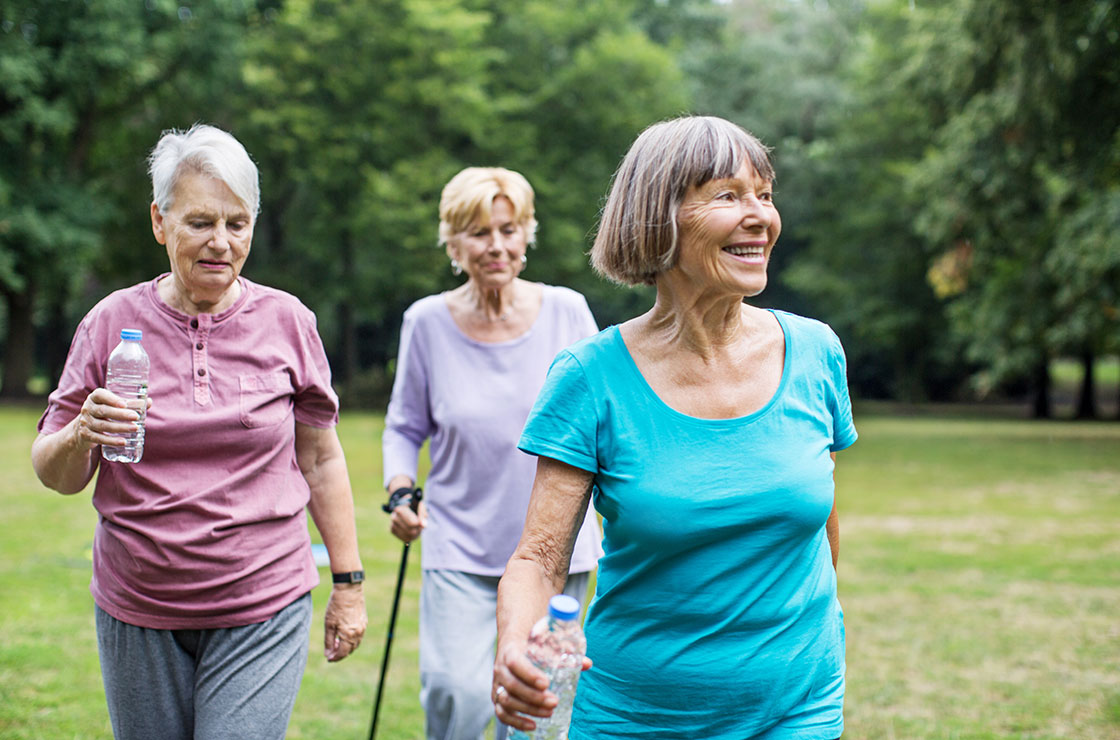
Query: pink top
x=208, y=530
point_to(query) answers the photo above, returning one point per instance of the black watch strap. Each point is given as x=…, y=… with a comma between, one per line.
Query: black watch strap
x=354, y=576
x=401, y=496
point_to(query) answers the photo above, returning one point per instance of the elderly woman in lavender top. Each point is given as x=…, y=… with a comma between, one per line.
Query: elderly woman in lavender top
x=202, y=565
x=470, y=364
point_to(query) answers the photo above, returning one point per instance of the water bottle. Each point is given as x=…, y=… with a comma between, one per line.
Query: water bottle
x=127, y=376
x=556, y=646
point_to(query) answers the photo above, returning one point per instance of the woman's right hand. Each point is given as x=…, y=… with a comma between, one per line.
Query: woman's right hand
x=406, y=524
x=103, y=417
x=520, y=689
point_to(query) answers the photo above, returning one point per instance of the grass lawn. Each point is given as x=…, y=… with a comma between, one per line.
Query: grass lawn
x=979, y=573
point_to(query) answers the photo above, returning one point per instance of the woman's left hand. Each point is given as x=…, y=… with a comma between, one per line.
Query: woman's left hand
x=345, y=621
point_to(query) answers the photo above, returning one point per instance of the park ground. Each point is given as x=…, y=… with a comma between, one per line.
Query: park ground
x=979, y=575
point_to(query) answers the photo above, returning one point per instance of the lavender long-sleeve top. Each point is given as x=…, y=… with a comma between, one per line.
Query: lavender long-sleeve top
x=471, y=399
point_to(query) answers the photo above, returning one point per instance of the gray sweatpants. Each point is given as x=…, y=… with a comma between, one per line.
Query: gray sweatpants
x=212, y=684
x=458, y=631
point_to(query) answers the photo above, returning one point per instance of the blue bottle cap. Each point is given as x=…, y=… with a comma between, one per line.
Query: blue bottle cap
x=132, y=335
x=564, y=607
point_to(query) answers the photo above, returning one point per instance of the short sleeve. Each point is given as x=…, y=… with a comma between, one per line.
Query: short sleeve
x=840, y=405
x=316, y=403
x=82, y=373
x=563, y=424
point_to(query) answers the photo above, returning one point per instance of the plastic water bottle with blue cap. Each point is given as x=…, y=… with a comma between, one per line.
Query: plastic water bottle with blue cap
x=126, y=375
x=556, y=646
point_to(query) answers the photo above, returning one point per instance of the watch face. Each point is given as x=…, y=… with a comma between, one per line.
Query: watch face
x=356, y=576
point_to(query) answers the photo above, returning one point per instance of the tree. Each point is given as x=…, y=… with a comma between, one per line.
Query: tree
x=356, y=136
x=83, y=87
x=1030, y=142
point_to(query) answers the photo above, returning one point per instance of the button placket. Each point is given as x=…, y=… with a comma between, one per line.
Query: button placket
x=200, y=340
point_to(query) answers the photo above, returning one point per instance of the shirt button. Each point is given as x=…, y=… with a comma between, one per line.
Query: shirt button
x=198, y=346
x=201, y=371
x=194, y=323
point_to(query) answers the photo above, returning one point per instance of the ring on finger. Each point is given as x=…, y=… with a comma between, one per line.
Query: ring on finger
x=499, y=693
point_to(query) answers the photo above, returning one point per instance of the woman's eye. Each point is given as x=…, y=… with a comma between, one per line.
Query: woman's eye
x=726, y=195
x=766, y=196
x=199, y=224
x=509, y=230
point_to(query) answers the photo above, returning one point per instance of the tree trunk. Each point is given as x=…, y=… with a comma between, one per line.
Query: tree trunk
x=18, y=349
x=1042, y=409
x=1087, y=402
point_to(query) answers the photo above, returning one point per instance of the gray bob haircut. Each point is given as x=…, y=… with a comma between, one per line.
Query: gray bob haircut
x=638, y=235
x=209, y=151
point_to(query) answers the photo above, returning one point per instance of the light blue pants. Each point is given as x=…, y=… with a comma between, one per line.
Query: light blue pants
x=217, y=684
x=458, y=631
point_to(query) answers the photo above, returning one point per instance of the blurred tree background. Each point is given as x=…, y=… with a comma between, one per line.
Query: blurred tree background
x=948, y=170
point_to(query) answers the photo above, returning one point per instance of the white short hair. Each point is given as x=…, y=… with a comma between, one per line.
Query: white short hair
x=210, y=151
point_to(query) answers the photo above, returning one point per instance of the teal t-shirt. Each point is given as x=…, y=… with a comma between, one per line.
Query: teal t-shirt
x=715, y=613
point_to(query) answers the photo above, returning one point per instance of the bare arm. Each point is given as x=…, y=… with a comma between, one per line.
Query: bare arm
x=832, y=526
x=65, y=460
x=537, y=570
x=323, y=464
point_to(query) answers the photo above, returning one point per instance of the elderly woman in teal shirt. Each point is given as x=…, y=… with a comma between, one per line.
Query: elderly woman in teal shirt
x=705, y=432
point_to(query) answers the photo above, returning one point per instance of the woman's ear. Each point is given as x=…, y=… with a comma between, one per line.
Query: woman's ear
x=157, y=224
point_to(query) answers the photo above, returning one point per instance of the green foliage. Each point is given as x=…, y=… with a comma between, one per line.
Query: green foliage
x=1008, y=164
x=84, y=90
x=356, y=137
x=947, y=171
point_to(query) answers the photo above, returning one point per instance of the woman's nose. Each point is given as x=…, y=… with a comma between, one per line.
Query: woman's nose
x=755, y=213
x=220, y=238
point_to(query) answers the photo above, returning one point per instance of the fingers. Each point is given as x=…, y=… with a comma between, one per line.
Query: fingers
x=103, y=416
x=345, y=622
x=520, y=692
x=405, y=524
x=339, y=646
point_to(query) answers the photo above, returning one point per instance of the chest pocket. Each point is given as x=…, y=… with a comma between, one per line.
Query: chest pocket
x=266, y=400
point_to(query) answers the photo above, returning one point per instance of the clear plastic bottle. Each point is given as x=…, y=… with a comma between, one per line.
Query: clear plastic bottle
x=556, y=646
x=127, y=376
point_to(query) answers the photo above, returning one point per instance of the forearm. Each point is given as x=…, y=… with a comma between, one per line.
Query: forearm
x=332, y=510
x=538, y=568
x=323, y=464
x=523, y=595
x=63, y=462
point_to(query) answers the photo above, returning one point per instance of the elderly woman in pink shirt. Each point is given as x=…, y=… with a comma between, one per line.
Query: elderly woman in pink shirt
x=470, y=365
x=202, y=565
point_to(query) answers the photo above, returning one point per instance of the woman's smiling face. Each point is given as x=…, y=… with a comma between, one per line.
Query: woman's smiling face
x=208, y=232
x=728, y=227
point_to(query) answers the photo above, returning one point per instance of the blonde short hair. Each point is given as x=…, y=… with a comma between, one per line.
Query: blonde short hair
x=638, y=235
x=209, y=151
x=467, y=198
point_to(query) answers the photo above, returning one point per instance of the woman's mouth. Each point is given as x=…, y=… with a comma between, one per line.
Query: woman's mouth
x=750, y=253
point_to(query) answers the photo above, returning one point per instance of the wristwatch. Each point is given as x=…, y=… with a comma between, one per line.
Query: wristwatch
x=354, y=576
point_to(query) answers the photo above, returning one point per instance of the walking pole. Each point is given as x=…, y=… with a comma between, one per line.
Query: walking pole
x=416, y=495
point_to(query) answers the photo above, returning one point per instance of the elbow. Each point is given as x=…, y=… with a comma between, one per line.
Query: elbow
x=61, y=481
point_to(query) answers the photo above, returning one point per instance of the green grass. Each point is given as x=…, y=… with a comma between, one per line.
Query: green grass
x=980, y=578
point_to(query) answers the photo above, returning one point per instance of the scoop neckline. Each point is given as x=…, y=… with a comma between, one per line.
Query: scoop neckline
x=753, y=416
x=446, y=313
